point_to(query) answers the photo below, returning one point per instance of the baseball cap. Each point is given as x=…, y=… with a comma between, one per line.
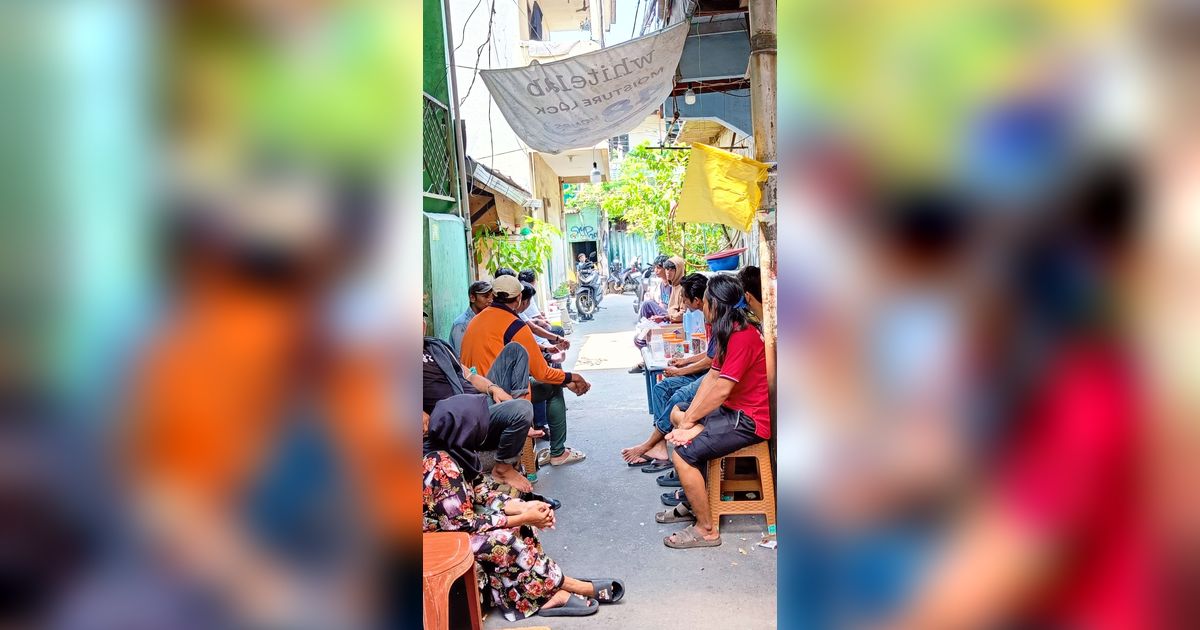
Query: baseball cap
x=507, y=287
x=480, y=286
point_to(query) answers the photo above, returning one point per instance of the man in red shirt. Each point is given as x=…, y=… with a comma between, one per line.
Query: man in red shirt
x=731, y=409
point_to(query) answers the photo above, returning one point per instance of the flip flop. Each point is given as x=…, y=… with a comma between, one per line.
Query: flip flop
x=670, y=480
x=658, y=466
x=673, y=516
x=687, y=538
x=608, y=590
x=645, y=462
x=576, y=606
x=671, y=499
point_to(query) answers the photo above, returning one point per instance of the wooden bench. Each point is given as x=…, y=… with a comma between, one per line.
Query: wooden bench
x=722, y=479
x=446, y=557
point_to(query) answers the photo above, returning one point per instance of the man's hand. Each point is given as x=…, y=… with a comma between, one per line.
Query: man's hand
x=681, y=437
x=678, y=415
x=672, y=371
x=563, y=343
x=578, y=385
x=658, y=319
x=499, y=395
x=675, y=362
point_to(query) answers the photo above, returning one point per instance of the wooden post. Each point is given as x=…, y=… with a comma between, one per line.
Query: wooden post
x=763, y=100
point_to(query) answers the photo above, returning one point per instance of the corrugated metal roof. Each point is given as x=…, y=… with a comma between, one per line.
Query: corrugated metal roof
x=497, y=182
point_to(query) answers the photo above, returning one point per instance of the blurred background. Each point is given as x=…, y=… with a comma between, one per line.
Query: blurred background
x=204, y=250
x=991, y=412
x=992, y=409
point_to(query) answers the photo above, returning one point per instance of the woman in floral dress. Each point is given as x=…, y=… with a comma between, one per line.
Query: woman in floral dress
x=516, y=574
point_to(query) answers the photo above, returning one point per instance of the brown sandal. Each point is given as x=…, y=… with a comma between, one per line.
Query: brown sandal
x=572, y=457
x=674, y=516
x=688, y=538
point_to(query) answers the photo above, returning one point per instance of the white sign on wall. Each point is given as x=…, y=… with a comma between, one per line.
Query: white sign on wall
x=580, y=101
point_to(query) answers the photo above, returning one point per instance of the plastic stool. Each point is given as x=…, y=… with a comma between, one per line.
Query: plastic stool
x=446, y=556
x=722, y=480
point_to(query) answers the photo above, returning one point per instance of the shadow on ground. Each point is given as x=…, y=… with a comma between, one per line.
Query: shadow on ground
x=606, y=526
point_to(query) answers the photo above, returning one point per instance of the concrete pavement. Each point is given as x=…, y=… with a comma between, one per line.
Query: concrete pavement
x=606, y=525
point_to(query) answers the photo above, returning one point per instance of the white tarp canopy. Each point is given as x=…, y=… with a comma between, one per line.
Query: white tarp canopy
x=580, y=101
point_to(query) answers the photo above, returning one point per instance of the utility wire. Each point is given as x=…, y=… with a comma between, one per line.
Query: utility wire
x=479, y=52
x=467, y=23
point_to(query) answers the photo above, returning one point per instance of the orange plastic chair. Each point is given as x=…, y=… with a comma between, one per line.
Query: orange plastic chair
x=723, y=480
x=446, y=556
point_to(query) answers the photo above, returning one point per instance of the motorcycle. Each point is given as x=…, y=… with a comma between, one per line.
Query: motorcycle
x=643, y=280
x=632, y=277
x=590, y=292
x=615, y=275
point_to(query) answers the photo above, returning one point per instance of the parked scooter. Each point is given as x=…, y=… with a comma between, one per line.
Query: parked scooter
x=643, y=283
x=590, y=292
x=632, y=276
x=615, y=275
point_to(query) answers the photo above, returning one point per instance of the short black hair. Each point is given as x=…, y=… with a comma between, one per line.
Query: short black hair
x=504, y=271
x=527, y=291
x=660, y=259
x=694, y=285
x=751, y=282
x=527, y=276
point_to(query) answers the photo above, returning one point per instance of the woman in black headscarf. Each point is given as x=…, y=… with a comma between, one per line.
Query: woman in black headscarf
x=520, y=578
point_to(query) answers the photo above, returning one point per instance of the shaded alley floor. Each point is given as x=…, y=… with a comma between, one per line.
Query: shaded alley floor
x=606, y=525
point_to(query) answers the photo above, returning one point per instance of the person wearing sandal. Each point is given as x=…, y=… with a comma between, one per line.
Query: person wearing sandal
x=499, y=325
x=683, y=375
x=516, y=576
x=731, y=410
x=444, y=377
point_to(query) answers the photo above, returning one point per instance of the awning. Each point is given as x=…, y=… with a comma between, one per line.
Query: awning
x=482, y=176
x=495, y=201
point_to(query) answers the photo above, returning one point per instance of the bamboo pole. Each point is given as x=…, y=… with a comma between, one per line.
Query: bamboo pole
x=763, y=101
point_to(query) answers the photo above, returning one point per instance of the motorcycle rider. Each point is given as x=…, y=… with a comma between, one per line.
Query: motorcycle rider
x=585, y=267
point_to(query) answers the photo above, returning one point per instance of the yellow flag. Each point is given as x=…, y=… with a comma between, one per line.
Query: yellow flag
x=720, y=187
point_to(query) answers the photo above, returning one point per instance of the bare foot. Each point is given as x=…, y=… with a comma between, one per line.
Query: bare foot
x=658, y=451
x=707, y=534
x=505, y=473
x=633, y=453
x=559, y=598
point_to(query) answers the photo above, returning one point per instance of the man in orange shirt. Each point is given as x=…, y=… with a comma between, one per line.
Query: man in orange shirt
x=497, y=326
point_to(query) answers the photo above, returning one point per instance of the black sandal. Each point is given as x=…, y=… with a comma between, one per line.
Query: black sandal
x=608, y=590
x=670, y=480
x=576, y=606
x=671, y=499
x=658, y=466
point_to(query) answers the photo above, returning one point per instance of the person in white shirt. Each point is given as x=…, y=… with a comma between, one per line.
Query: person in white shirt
x=537, y=322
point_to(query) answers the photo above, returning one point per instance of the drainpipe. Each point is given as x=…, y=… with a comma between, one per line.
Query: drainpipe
x=460, y=149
